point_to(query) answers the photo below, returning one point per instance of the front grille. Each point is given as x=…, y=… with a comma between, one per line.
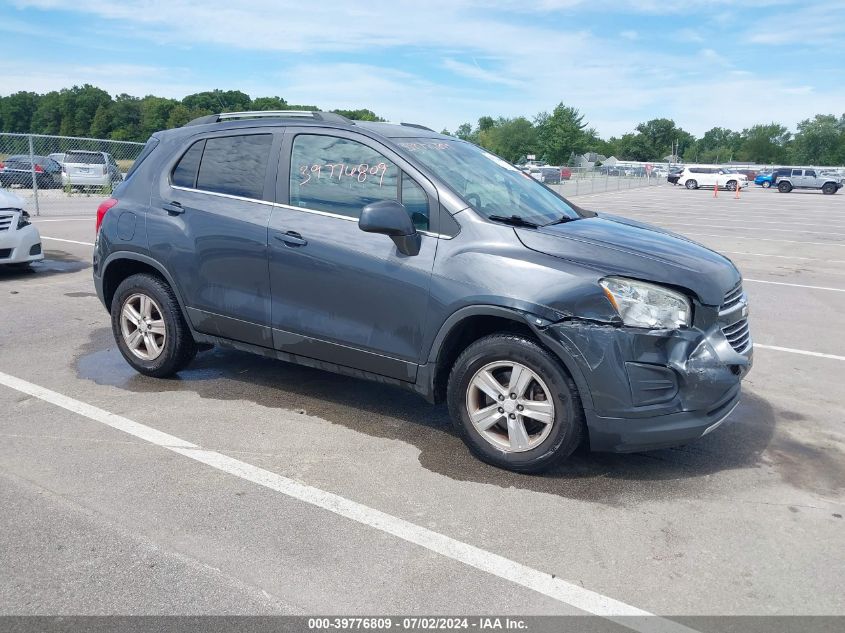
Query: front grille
x=738, y=335
x=5, y=221
x=732, y=298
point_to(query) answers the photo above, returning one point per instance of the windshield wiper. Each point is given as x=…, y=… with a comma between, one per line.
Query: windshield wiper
x=514, y=220
x=562, y=220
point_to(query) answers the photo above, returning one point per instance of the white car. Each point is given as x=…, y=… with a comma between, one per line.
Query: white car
x=90, y=169
x=695, y=176
x=20, y=242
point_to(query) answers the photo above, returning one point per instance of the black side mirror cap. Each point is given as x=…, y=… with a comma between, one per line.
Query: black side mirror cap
x=390, y=218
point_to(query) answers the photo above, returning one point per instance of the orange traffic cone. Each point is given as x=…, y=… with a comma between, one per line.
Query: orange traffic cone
x=716, y=189
x=736, y=192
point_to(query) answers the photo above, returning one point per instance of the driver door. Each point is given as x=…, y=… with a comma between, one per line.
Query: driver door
x=339, y=294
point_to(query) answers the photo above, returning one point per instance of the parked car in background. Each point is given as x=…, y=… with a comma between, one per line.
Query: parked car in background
x=90, y=169
x=674, y=175
x=750, y=174
x=20, y=243
x=764, y=178
x=696, y=176
x=547, y=174
x=807, y=179
x=565, y=173
x=59, y=157
x=17, y=170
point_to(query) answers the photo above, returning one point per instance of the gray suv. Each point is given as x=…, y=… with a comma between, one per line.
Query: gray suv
x=798, y=178
x=394, y=253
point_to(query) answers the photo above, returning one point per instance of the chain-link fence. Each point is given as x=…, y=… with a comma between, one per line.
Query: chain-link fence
x=579, y=181
x=63, y=175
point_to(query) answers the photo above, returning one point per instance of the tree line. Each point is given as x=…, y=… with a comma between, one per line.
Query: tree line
x=557, y=137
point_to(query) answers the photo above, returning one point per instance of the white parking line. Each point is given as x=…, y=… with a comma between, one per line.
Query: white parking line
x=39, y=220
x=802, y=352
x=765, y=239
x=58, y=239
x=783, y=283
x=809, y=259
x=499, y=566
x=744, y=227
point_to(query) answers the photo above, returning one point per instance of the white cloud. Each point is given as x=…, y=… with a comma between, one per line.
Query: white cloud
x=630, y=35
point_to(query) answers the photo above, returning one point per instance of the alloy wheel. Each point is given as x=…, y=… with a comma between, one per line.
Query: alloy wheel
x=510, y=406
x=142, y=327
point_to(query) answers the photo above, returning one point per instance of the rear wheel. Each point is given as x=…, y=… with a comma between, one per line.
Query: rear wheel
x=691, y=184
x=149, y=328
x=784, y=187
x=829, y=188
x=514, y=405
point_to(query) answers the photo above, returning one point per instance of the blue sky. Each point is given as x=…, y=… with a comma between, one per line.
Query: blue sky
x=443, y=62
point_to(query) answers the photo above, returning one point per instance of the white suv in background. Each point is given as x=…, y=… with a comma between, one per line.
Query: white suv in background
x=20, y=242
x=695, y=176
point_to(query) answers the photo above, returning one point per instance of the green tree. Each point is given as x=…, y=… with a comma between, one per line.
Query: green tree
x=510, y=138
x=47, y=118
x=765, y=143
x=268, y=103
x=561, y=133
x=101, y=125
x=218, y=101
x=820, y=141
x=17, y=110
x=359, y=115
x=464, y=132
x=660, y=136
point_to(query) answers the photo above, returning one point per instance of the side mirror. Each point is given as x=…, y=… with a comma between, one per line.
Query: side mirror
x=390, y=218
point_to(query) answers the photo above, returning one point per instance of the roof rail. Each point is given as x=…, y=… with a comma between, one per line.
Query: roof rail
x=270, y=114
x=417, y=125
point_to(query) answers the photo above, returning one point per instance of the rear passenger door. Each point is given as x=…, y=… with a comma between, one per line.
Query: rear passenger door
x=339, y=294
x=208, y=224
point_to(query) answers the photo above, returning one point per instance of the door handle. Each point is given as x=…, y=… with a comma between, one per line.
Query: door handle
x=291, y=238
x=173, y=208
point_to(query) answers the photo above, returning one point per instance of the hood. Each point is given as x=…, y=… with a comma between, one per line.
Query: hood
x=617, y=246
x=9, y=200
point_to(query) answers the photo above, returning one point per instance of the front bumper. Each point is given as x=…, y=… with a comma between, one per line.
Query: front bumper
x=646, y=389
x=20, y=246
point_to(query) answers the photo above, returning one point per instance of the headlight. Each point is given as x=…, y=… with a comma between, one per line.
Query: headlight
x=23, y=219
x=647, y=305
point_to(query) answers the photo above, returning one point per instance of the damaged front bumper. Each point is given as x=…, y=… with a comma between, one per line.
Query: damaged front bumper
x=644, y=389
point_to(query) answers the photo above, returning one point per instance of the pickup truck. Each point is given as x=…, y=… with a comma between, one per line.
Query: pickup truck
x=805, y=179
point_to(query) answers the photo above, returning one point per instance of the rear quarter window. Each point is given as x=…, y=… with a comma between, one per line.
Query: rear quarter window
x=235, y=165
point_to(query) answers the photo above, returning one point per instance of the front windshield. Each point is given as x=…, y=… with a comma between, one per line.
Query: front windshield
x=487, y=183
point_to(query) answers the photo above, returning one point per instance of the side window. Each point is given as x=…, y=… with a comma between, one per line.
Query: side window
x=810, y=172
x=796, y=172
x=235, y=165
x=338, y=175
x=416, y=202
x=185, y=172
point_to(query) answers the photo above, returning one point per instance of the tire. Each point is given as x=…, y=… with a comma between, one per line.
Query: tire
x=731, y=185
x=170, y=337
x=543, y=445
x=766, y=184
x=829, y=188
x=784, y=187
x=691, y=184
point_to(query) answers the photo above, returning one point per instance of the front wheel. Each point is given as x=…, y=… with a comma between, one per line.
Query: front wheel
x=766, y=184
x=691, y=184
x=829, y=188
x=731, y=186
x=149, y=328
x=514, y=405
x=784, y=187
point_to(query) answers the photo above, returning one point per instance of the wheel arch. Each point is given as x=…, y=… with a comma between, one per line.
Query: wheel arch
x=122, y=264
x=471, y=323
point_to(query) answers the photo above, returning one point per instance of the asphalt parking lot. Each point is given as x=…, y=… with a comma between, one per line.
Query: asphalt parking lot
x=285, y=490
